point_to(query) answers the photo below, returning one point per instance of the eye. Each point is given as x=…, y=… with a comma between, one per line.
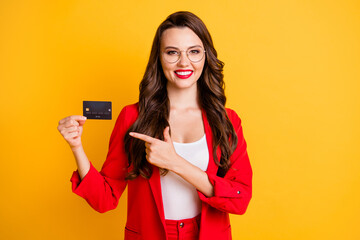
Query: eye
x=194, y=51
x=172, y=52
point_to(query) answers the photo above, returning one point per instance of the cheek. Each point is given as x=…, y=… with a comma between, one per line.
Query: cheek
x=200, y=67
x=166, y=69
x=168, y=72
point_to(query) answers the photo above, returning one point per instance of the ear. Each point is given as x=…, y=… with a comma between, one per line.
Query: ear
x=167, y=137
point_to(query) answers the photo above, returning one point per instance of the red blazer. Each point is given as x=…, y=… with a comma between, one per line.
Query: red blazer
x=145, y=213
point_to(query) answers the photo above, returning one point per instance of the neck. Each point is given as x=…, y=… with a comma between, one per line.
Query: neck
x=183, y=98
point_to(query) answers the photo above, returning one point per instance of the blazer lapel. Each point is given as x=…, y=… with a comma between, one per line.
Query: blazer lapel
x=212, y=169
x=155, y=185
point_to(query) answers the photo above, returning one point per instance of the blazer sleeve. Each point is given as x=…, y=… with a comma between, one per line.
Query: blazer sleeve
x=233, y=192
x=103, y=189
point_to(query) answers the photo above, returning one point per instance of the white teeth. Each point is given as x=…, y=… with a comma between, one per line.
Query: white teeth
x=184, y=73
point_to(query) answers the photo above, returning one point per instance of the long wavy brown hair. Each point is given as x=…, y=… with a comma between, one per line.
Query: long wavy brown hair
x=154, y=103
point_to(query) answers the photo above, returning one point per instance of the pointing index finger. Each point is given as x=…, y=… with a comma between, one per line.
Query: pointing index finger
x=143, y=137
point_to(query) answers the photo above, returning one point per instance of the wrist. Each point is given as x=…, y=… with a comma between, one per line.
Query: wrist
x=178, y=164
x=77, y=149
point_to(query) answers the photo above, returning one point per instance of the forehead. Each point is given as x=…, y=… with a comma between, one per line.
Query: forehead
x=180, y=38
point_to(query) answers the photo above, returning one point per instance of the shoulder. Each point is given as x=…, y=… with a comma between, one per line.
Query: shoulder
x=233, y=116
x=130, y=110
x=128, y=115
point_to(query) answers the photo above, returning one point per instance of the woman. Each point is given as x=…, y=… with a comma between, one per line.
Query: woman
x=164, y=146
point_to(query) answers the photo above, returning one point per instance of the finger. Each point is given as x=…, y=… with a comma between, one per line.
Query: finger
x=143, y=137
x=72, y=129
x=167, y=137
x=67, y=131
x=81, y=122
x=71, y=136
x=71, y=123
x=73, y=117
x=147, y=145
x=64, y=128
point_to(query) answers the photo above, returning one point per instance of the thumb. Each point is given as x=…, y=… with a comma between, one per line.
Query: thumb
x=81, y=122
x=167, y=137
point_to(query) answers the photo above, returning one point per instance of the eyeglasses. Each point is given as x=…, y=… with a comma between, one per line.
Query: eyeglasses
x=194, y=54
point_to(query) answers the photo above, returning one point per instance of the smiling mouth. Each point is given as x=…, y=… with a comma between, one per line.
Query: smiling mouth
x=183, y=74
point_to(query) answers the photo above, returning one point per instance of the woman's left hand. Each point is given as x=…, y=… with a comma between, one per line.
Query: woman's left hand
x=159, y=153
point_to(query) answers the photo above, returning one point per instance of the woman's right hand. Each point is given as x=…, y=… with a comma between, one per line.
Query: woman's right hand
x=71, y=129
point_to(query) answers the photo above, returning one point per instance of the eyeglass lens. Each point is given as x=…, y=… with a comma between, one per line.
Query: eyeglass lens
x=194, y=54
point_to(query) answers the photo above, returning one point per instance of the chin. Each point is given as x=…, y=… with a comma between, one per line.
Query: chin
x=182, y=83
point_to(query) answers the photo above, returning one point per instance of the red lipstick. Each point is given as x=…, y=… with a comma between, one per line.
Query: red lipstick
x=183, y=73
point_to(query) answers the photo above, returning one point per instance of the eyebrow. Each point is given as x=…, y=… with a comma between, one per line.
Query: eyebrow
x=187, y=48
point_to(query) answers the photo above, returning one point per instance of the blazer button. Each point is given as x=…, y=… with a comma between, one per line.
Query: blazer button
x=181, y=224
x=238, y=192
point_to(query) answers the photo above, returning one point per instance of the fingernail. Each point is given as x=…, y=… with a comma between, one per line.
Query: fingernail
x=84, y=118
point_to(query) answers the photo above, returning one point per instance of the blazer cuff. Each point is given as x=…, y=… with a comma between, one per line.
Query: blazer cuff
x=81, y=187
x=224, y=189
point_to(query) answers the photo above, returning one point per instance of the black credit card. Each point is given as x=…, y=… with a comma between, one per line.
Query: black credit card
x=97, y=110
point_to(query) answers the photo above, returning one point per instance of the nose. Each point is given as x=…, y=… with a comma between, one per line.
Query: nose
x=183, y=61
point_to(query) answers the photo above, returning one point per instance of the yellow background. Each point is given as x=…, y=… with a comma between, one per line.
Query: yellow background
x=291, y=72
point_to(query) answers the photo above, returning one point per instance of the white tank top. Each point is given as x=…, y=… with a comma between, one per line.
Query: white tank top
x=180, y=198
